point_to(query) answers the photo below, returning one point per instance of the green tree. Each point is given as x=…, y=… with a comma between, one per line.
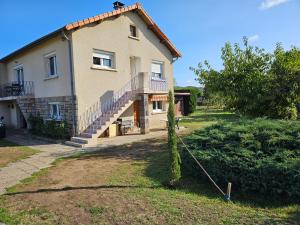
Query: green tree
x=253, y=82
x=174, y=168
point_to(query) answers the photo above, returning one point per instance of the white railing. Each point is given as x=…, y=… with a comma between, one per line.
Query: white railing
x=158, y=84
x=99, y=113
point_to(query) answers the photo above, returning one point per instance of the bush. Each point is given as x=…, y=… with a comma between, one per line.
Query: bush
x=174, y=167
x=51, y=128
x=259, y=156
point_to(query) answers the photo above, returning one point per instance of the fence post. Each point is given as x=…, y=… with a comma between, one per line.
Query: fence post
x=228, y=193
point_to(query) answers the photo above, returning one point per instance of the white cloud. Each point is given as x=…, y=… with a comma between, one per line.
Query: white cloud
x=189, y=81
x=253, y=38
x=267, y=4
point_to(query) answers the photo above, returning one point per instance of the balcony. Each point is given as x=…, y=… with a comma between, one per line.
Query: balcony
x=152, y=85
x=15, y=89
x=158, y=85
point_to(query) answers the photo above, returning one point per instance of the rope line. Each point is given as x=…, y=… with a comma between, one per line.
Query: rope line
x=199, y=164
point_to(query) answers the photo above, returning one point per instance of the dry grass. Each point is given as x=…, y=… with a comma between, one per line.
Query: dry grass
x=9, y=152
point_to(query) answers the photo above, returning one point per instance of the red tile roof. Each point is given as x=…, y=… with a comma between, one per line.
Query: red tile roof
x=136, y=7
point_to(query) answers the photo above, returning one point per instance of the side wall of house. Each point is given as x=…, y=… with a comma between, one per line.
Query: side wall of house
x=112, y=35
x=34, y=67
x=46, y=90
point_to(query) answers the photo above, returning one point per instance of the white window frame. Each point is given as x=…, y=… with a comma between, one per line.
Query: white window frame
x=57, y=117
x=47, y=64
x=103, y=55
x=20, y=80
x=156, y=108
x=154, y=73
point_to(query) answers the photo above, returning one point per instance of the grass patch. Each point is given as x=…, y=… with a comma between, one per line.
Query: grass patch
x=11, y=152
x=96, y=211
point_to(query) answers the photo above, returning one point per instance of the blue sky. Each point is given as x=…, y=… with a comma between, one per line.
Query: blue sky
x=198, y=28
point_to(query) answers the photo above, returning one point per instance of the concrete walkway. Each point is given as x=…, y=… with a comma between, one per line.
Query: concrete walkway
x=15, y=172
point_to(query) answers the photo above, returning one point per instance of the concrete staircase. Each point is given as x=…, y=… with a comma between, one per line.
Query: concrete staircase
x=89, y=138
x=101, y=119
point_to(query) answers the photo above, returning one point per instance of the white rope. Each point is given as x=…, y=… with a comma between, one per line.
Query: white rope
x=199, y=164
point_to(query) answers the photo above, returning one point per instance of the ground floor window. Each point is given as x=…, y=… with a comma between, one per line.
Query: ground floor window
x=157, y=106
x=55, y=112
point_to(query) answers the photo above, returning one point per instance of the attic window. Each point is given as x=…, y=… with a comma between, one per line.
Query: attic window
x=133, y=31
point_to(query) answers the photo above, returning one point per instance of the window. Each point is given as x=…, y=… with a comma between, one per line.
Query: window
x=133, y=31
x=19, y=74
x=157, y=106
x=103, y=59
x=157, y=70
x=51, y=65
x=55, y=111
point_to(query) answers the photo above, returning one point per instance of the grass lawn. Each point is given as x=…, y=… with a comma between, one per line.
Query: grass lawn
x=10, y=152
x=123, y=185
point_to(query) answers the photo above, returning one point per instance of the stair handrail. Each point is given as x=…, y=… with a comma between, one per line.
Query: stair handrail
x=108, y=107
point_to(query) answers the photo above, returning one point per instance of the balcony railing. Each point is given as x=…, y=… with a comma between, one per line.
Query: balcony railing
x=15, y=89
x=158, y=84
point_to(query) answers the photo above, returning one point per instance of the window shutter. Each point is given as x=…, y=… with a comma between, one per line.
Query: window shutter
x=156, y=68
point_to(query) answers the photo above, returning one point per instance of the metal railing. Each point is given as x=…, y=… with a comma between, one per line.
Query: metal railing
x=15, y=89
x=157, y=84
x=99, y=113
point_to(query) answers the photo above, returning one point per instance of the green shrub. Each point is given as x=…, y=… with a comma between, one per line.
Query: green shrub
x=174, y=167
x=259, y=156
x=50, y=128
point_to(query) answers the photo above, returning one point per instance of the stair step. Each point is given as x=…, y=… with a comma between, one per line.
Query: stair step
x=74, y=144
x=80, y=140
x=86, y=135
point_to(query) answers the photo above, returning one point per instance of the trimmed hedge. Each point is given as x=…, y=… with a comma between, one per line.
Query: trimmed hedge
x=260, y=156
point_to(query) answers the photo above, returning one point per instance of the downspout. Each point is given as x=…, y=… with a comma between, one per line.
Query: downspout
x=73, y=96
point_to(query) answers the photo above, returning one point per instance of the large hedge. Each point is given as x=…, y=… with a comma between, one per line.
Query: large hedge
x=257, y=156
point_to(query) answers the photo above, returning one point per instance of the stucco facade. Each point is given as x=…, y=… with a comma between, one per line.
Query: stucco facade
x=76, y=76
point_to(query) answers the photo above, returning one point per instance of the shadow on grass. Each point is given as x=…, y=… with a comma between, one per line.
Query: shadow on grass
x=69, y=188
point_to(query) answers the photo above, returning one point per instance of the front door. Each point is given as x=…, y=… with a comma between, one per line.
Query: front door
x=136, y=113
x=135, y=66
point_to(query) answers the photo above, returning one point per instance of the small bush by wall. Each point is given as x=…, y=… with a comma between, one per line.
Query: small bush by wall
x=258, y=156
x=50, y=128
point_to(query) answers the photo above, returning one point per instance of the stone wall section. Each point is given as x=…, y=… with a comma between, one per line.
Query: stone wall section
x=41, y=106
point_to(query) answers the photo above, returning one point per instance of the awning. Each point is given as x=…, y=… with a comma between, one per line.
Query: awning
x=163, y=98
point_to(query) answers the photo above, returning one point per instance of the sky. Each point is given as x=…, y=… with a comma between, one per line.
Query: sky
x=198, y=28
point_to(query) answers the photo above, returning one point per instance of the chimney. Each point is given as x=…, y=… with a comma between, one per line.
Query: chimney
x=118, y=5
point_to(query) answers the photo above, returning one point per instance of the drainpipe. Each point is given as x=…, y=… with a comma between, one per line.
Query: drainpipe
x=73, y=98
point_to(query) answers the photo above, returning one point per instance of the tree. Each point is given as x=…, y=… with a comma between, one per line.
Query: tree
x=174, y=167
x=253, y=82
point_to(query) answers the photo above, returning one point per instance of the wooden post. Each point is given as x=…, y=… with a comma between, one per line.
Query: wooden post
x=228, y=192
